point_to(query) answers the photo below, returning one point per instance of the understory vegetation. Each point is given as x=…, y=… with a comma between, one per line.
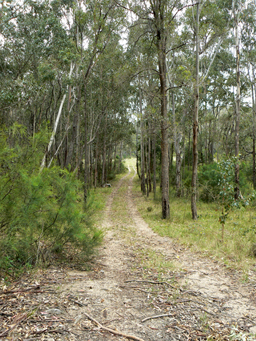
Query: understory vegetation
x=43, y=216
x=236, y=248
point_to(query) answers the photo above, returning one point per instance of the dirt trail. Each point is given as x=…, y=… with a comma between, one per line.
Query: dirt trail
x=198, y=299
x=201, y=297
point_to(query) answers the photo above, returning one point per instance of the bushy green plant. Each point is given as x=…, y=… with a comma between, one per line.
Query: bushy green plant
x=41, y=213
x=208, y=178
x=226, y=186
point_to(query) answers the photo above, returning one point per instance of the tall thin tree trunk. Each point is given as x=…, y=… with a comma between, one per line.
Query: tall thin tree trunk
x=115, y=158
x=78, y=133
x=154, y=163
x=96, y=164
x=189, y=137
x=253, y=136
x=146, y=167
x=137, y=147
x=177, y=140
x=164, y=126
x=149, y=167
x=120, y=156
x=237, y=186
x=53, y=133
x=72, y=142
x=142, y=162
x=85, y=147
x=103, y=180
x=195, y=123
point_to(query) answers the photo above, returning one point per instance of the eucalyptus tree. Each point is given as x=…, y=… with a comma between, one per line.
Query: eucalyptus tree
x=32, y=38
x=159, y=19
x=93, y=24
x=108, y=115
x=236, y=9
x=248, y=42
x=207, y=28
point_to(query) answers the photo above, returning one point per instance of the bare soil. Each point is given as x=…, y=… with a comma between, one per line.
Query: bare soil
x=127, y=295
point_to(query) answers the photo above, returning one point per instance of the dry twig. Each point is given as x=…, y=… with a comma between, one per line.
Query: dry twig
x=157, y=316
x=150, y=282
x=115, y=332
x=21, y=319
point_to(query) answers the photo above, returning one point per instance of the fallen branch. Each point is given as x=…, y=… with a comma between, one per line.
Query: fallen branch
x=150, y=282
x=76, y=302
x=115, y=332
x=22, y=318
x=135, y=288
x=157, y=316
x=19, y=290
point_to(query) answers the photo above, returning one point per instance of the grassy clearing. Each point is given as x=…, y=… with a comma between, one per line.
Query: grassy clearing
x=204, y=235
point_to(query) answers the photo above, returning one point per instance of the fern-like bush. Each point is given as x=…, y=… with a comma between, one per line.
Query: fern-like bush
x=41, y=213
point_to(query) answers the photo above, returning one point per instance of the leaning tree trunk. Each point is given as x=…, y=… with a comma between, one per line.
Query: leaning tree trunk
x=195, y=124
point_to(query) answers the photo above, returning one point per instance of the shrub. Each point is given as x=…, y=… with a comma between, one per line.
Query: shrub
x=208, y=178
x=41, y=213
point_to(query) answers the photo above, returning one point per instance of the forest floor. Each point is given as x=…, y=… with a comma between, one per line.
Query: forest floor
x=141, y=287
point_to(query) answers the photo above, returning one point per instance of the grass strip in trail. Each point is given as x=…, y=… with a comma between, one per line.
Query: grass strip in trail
x=204, y=234
x=98, y=197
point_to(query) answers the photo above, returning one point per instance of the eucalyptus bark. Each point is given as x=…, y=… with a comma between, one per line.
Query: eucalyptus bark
x=70, y=151
x=149, y=167
x=195, y=124
x=120, y=157
x=142, y=162
x=237, y=185
x=137, y=154
x=253, y=137
x=177, y=139
x=96, y=163
x=115, y=158
x=85, y=147
x=161, y=46
x=104, y=156
x=53, y=133
x=154, y=164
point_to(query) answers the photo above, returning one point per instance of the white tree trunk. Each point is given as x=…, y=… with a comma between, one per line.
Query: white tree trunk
x=56, y=123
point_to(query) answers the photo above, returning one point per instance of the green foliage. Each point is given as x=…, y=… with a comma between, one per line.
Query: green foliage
x=209, y=178
x=41, y=213
x=227, y=184
x=203, y=235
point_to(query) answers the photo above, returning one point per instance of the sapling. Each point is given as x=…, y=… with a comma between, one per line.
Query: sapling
x=227, y=194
